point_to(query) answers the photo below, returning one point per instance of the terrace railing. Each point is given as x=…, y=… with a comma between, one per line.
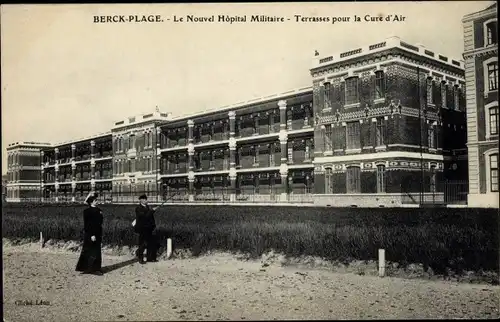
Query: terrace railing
x=444, y=193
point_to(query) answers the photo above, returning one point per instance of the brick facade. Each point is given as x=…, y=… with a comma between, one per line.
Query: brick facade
x=381, y=121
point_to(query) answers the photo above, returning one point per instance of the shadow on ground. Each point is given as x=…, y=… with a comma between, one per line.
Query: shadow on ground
x=110, y=268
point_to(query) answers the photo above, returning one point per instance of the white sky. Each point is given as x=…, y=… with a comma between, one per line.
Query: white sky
x=64, y=77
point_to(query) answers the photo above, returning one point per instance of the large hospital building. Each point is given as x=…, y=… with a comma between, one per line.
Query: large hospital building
x=381, y=125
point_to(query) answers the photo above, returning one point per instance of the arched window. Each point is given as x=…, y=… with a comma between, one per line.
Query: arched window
x=430, y=84
x=431, y=137
x=490, y=32
x=380, y=178
x=353, y=180
x=327, y=98
x=328, y=181
x=433, y=179
x=353, y=135
x=351, y=90
x=490, y=74
x=491, y=160
x=493, y=76
x=493, y=120
x=379, y=84
x=491, y=116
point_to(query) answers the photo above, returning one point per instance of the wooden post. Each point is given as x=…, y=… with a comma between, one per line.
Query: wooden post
x=381, y=262
x=41, y=240
x=169, y=247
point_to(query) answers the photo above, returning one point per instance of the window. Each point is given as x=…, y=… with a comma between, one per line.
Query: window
x=380, y=178
x=491, y=33
x=444, y=93
x=131, y=141
x=494, y=172
x=380, y=133
x=493, y=76
x=353, y=180
x=351, y=90
x=493, y=120
x=328, y=181
x=491, y=116
x=379, y=85
x=430, y=83
x=456, y=92
x=328, y=137
x=430, y=138
x=353, y=135
x=327, y=87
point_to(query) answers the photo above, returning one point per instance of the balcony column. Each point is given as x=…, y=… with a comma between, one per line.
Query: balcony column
x=282, y=107
x=283, y=137
x=92, y=149
x=158, y=140
x=190, y=146
x=232, y=140
x=56, y=170
x=284, y=182
x=232, y=156
x=289, y=119
x=56, y=186
x=191, y=178
x=73, y=152
x=56, y=155
x=190, y=124
x=73, y=171
x=232, y=178
x=73, y=191
x=92, y=169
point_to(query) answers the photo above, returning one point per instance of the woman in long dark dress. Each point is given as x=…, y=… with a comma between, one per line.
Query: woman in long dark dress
x=90, y=258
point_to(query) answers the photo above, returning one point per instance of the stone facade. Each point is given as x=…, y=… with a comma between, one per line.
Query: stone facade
x=481, y=60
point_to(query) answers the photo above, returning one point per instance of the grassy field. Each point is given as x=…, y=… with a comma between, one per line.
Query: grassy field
x=443, y=239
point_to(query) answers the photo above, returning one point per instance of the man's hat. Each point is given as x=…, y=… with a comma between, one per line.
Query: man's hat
x=91, y=197
x=143, y=197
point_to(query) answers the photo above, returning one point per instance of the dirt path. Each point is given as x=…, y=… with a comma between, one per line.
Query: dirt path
x=222, y=287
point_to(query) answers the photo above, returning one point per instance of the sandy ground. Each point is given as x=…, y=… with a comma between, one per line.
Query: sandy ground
x=221, y=287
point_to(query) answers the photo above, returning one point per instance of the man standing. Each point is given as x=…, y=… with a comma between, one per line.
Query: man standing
x=144, y=226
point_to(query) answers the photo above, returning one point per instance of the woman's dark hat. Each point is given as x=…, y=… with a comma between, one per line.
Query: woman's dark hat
x=143, y=197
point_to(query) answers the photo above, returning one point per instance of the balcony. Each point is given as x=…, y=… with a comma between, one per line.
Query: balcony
x=104, y=175
x=82, y=176
x=105, y=154
x=173, y=168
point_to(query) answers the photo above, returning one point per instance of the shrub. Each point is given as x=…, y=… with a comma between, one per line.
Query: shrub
x=443, y=239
